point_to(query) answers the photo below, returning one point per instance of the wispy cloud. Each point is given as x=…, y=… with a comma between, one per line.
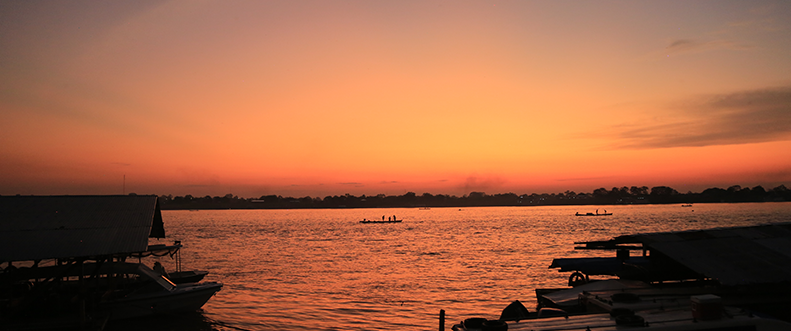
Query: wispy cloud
x=725, y=119
x=681, y=46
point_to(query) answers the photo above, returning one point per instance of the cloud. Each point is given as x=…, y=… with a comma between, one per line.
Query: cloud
x=481, y=184
x=681, y=46
x=726, y=119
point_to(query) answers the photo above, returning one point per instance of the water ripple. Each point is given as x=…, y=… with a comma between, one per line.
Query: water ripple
x=323, y=270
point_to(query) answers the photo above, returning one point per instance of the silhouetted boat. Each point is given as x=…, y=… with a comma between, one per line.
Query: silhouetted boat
x=667, y=319
x=66, y=265
x=116, y=290
x=372, y=221
x=715, y=279
x=159, y=296
x=593, y=214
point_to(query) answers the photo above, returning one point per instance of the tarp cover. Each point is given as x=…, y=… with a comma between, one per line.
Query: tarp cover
x=758, y=254
x=45, y=227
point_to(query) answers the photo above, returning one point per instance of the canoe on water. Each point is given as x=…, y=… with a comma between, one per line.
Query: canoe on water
x=371, y=221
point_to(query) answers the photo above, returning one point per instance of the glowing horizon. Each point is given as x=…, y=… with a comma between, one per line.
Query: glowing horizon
x=329, y=98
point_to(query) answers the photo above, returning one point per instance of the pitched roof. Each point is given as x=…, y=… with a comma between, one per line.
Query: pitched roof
x=46, y=227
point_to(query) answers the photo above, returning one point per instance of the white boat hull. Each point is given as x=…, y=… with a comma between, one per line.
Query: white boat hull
x=184, y=298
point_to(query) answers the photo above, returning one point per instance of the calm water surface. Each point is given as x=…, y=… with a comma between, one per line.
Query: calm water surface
x=323, y=270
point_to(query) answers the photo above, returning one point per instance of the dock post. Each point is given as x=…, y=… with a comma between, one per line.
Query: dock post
x=442, y=320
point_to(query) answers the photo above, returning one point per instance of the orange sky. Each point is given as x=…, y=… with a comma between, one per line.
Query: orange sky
x=316, y=98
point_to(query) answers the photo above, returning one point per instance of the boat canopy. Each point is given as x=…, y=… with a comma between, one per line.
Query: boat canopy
x=732, y=256
x=76, y=227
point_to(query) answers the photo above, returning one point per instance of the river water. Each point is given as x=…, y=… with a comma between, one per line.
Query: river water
x=323, y=270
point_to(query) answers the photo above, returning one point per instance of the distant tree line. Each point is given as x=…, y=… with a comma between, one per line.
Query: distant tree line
x=601, y=196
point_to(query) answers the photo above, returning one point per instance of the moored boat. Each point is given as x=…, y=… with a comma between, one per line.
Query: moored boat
x=717, y=279
x=160, y=296
x=666, y=320
x=64, y=261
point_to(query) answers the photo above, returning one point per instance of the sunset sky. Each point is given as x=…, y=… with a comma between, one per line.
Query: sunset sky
x=316, y=98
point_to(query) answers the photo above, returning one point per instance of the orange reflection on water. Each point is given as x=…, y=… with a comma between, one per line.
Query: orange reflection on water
x=290, y=269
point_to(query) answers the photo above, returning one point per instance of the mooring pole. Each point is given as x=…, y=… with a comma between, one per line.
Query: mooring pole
x=442, y=320
x=178, y=255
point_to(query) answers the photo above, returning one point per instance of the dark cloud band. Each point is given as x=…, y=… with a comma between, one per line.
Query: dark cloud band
x=736, y=118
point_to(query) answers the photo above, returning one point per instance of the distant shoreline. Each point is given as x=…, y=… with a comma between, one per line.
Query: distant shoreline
x=616, y=196
x=458, y=206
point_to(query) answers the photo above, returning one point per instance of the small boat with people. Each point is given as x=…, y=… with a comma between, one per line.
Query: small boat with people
x=391, y=219
x=593, y=214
